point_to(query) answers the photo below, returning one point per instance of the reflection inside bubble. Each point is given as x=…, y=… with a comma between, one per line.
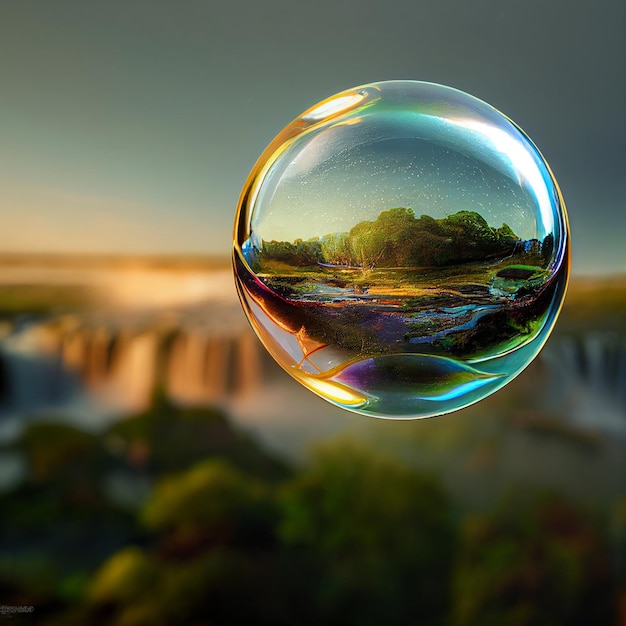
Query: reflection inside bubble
x=404, y=256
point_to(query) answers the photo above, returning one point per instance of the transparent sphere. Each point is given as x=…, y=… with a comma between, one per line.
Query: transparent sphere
x=402, y=249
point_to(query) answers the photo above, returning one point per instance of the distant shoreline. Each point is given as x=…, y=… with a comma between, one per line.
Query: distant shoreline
x=114, y=261
x=203, y=262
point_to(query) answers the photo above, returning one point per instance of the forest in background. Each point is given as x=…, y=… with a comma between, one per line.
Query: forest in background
x=175, y=515
x=396, y=238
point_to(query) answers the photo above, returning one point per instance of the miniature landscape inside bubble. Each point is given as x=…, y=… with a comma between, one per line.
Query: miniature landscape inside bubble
x=399, y=269
x=411, y=284
x=453, y=287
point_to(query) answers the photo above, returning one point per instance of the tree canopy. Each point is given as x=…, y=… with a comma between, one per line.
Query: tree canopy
x=396, y=238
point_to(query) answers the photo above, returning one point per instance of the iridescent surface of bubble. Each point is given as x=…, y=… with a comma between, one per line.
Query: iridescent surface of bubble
x=402, y=249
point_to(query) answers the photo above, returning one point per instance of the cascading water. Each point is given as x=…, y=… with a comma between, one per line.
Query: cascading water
x=91, y=369
x=33, y=375
x=586, y=380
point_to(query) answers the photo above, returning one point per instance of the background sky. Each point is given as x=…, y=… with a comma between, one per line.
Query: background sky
x=131, y=126
x=327, y=187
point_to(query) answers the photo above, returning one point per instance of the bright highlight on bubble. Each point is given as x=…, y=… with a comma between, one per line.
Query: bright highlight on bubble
x=402, y=249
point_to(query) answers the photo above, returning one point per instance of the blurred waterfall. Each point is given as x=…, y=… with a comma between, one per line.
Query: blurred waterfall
x=199, y=357
x=102, y=366
x=33, y=375
x=586, y=380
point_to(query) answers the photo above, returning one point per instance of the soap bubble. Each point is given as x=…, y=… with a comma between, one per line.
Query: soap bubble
x=401, y=249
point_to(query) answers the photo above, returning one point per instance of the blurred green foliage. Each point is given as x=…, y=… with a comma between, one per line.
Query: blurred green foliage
x=209, y=528
x=552, y=563
x=396, y=238
x=378, y=533
x=42, y=299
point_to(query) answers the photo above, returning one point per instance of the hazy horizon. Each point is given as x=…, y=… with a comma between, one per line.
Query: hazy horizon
x=183, y=262
x=131, y=129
